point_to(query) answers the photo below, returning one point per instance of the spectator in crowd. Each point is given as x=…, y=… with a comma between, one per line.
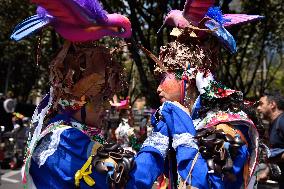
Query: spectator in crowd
x=271, y=107
x=149, y=127
x=143, y=125
x=124, y=131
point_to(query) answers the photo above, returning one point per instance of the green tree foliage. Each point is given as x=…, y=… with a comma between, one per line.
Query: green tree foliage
x=19, y=71
x=146, y=17
x=258, y=65
x=255, y=68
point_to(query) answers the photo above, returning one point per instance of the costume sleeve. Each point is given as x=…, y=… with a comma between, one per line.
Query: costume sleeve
x=150, y=160
x=149, y=165
x=181, y=126
x=203, y=179
x=200, y=175
x=68, y=156
x=238, y=169
x=185, y=159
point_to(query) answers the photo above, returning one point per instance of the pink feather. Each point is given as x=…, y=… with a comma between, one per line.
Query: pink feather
x=176, y=19
x=64, y=11
x=195, y=10
x=237, y=19
x=95, y=32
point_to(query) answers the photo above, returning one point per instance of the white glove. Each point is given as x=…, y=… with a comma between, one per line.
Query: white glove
x=203, y=82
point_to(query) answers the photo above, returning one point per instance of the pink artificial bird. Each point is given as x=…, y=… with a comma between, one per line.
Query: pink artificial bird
x=195, y=10
x=74, y=20
x=200, y=14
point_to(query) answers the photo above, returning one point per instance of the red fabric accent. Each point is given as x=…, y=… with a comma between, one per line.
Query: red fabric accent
x=162, y=182
x=182, y=92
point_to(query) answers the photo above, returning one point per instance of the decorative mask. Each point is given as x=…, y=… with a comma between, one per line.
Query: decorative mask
x=84, y=73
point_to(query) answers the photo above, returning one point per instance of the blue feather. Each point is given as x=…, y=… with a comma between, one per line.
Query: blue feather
x=26, y=22
x=216, y=14
x=29, y=26
x=223, y=35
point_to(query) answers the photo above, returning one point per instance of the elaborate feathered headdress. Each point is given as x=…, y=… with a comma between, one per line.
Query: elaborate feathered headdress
x=193, y=25
x=193, y=54
x=201, y=16
x=82, y=21
x=83, y=70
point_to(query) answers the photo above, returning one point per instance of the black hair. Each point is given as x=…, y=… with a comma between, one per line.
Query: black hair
x=277, y=97
x=123, y=113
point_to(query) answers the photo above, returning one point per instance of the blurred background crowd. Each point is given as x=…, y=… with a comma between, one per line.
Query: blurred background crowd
x=124, y=124
x=257, y=67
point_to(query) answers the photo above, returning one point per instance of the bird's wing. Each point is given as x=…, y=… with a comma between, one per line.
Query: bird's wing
x=29, y=26
x=70, y=11
x=195, y=10
x=237, y=19
x=176, y=19
x=222, y=34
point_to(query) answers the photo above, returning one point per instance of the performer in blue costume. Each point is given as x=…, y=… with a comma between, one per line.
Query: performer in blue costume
x=208, y=125
x=66, y=149
x=83, y=77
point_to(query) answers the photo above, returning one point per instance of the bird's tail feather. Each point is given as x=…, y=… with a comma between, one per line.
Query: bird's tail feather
x=29, y=26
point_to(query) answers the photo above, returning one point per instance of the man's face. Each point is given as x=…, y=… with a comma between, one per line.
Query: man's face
x=265, y=107
x=169, y=88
